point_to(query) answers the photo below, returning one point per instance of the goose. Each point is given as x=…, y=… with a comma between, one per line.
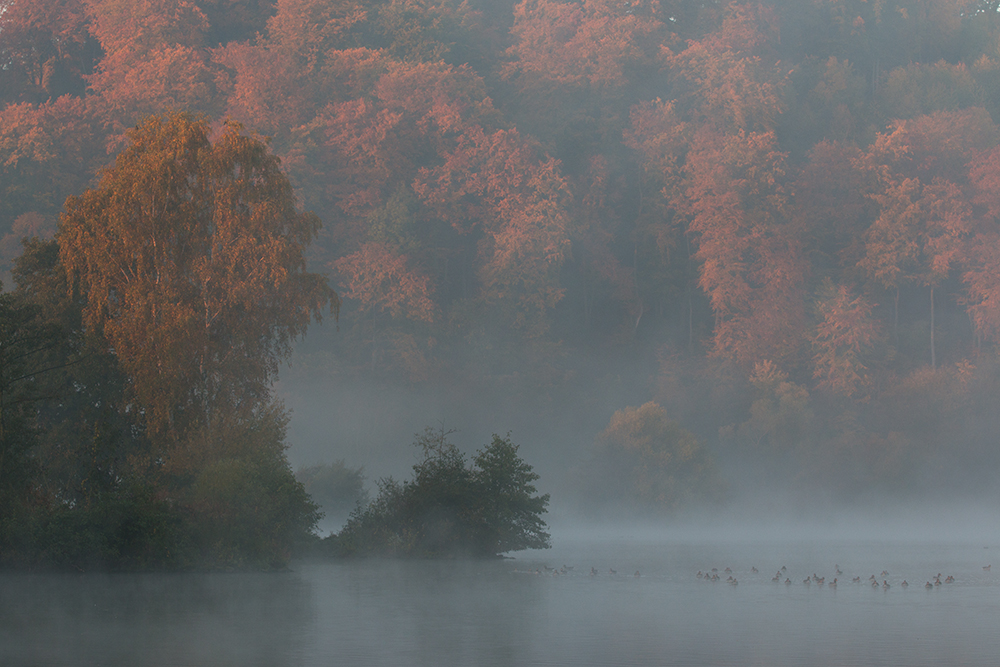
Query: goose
x=949, y=580
x=928, y=585
x=885, y=585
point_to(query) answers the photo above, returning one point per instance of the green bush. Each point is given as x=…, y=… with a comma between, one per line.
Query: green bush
x=450, y=508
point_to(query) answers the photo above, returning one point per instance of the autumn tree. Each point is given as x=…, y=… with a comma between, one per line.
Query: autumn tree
x=190, y=252
x=752, y=265
x=925, y=210
x=647, y=462
x=845, y=334
x=381, y=281
x=154, y=57
x=729, y=78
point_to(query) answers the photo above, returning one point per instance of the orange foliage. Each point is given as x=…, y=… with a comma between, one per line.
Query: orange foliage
x=310, y=28
x=844, y=333
x=752, y=265
x=382, y=281
x=153, y=56
x=593, y=42
x=727, y=79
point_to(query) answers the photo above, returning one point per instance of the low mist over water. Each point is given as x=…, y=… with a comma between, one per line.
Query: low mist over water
x=611, y=597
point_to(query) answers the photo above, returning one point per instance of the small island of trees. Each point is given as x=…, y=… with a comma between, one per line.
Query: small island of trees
x=451, y=508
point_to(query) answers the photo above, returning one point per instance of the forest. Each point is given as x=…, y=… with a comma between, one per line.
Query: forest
x=778, y=220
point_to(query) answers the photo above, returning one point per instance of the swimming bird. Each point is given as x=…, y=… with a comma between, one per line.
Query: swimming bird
x=700, y=575
x=833, y=584
x=788, y=582
x=928, y=585
x=807, y=581
x=729, y=570
x=986, y=567
x=753, y=569
x=611, y=571
x=783, y=568
x=637, y=575
x=885, y=573
x=904, y=584
x=776, y=578
x=885, y=585
x=949, y=580
x=837, y=569
x=856, y=580
x=593, y=571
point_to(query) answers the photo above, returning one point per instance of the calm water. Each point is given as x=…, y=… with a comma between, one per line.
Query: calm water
x=501, y=613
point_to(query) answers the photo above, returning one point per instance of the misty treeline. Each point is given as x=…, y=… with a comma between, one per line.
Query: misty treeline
x=784, y=213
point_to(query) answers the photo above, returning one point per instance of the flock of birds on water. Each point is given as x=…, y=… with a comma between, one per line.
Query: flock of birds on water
x=780, y=576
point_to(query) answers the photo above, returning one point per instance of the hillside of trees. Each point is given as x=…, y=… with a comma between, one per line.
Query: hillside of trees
x=786, y=212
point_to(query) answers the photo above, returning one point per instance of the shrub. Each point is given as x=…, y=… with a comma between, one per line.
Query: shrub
x=450, y=508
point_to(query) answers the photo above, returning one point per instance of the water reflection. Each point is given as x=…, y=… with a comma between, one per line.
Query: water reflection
x=153, y=619
x=502, y=613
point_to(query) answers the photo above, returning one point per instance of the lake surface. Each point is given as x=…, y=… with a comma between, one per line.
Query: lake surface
x=518, y=612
